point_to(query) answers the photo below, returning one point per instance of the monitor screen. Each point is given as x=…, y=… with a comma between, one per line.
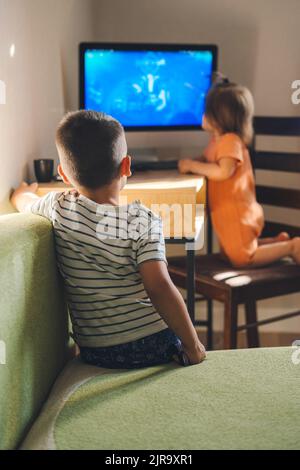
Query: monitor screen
x=147, y=87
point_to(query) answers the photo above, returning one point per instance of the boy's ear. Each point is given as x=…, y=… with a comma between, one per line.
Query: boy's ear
x=125, y=166
x=62, y=174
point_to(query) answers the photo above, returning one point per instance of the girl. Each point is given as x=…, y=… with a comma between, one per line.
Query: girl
x=236, y=216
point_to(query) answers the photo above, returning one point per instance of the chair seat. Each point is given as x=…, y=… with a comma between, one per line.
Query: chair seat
x=279, y=278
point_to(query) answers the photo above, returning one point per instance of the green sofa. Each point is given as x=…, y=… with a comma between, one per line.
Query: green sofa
x=240, y=399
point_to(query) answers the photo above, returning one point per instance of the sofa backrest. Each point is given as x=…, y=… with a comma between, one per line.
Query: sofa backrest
x=33, y=322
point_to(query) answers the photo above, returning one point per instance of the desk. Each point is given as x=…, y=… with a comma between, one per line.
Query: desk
x=178, y=199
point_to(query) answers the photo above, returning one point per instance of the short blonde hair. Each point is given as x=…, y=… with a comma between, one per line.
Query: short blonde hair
x=230, y=108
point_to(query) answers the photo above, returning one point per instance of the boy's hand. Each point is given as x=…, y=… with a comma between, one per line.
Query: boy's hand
x=184, y=166
x=23, y=188
x=20, y=195
x=195, y=354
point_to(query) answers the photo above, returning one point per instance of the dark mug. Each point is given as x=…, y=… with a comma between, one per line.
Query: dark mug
x=43, y=170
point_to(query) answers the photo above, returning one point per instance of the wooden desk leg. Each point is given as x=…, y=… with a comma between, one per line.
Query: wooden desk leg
x=190, y=286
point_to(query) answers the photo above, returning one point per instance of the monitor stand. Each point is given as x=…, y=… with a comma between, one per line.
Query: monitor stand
x=139, y=155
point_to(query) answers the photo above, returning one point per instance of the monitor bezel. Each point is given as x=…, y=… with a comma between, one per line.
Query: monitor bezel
x=84, y=46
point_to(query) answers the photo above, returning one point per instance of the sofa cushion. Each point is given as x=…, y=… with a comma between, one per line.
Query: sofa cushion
x=33, y=322
x=243, y=399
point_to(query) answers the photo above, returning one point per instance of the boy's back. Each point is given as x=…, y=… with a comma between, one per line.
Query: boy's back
x=99, y=248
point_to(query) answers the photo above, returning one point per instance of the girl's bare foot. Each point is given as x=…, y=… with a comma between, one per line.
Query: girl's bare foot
x=282, y=237
x=296, y=249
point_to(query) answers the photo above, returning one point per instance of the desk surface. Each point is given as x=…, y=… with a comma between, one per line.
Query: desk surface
x=178, y=199
x=144, y=180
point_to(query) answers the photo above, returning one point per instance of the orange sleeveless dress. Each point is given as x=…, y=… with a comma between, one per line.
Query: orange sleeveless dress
x=236, y=216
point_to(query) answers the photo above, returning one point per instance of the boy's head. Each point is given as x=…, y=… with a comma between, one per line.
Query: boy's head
x=229, y=108
x=92, y=149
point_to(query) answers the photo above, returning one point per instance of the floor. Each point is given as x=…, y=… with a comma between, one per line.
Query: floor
x=267, y=339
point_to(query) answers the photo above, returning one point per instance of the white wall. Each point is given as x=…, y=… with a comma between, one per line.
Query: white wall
x=39, y=89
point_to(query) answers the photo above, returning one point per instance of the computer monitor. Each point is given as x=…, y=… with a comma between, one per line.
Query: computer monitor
x=147, y=87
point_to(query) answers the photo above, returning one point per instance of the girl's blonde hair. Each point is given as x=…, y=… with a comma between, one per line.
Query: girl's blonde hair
x=230, y=108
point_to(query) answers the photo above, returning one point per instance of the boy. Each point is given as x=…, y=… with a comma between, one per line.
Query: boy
x=111, y=257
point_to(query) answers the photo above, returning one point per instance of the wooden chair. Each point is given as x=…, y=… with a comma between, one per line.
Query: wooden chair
x=217, y=280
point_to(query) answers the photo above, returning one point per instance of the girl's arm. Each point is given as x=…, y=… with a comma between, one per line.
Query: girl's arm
x=219, y=171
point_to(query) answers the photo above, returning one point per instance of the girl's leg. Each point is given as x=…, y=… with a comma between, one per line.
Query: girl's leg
x=269, y=253
x=281, y=237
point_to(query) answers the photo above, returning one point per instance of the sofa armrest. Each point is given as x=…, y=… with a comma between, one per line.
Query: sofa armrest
x=33, y=322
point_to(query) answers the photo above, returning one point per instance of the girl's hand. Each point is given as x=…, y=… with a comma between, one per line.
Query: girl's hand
x=184, y=166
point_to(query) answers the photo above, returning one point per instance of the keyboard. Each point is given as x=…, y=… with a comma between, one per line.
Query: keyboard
x=155, y=165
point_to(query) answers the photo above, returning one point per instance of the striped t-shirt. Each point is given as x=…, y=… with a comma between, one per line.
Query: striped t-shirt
x=99, y=248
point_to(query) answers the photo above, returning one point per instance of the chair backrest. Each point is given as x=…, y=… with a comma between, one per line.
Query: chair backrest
x=277, y=161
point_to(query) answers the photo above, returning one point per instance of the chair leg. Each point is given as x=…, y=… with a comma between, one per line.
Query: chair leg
x=209, y=343
x=251, y=317
x=230, y=323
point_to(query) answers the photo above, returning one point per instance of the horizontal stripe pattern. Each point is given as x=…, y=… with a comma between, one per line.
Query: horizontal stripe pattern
x=99, y=249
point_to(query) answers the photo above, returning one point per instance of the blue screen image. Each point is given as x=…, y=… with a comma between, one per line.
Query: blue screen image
x=148, y=88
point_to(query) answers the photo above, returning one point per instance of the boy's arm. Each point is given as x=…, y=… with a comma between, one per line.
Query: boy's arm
x=219, y=171
x=170, y=305
x=24, y=195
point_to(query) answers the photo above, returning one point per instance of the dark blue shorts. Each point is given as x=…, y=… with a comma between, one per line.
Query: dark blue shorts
x=159, y=348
